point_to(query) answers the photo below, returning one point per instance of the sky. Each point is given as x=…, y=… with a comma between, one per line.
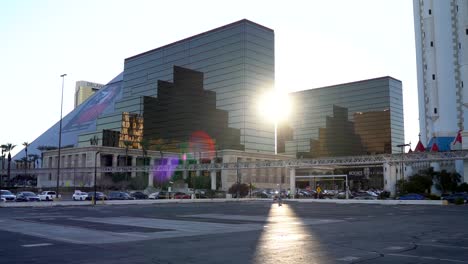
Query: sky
x=317, y=43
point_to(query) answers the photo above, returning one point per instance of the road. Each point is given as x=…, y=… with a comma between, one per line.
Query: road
x=235, y=232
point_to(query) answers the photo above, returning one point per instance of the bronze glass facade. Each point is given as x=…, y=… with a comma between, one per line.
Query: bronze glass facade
x=359, y=118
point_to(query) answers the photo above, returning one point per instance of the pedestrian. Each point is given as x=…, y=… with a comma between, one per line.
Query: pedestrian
x=319, y=191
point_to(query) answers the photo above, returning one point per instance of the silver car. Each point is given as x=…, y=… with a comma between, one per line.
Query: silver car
x=7, y=196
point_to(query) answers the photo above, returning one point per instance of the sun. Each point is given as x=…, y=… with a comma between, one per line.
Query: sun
x=274, y=105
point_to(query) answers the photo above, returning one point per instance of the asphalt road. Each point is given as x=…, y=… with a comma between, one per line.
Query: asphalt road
x=235, y=232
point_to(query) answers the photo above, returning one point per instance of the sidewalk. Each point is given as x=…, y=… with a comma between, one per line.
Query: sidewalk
x=219, y=200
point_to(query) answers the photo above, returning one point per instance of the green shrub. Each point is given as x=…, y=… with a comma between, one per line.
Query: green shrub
x=433, y=197
x=459, y=201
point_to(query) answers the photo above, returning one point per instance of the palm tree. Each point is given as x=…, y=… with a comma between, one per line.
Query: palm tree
x=127, y=144
x=8, y=148
x=145, y=144
x=26, y=144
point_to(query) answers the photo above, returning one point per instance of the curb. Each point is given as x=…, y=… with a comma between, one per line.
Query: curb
x=217, y=200
x=123, y=202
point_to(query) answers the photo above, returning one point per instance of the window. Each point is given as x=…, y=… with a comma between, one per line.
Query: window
x=430, y=12
x=432, y=43
x=425, y=66
x=433, y=76
x=459, y=45
x=466, y=30
x=435, y=110
x=462, y=84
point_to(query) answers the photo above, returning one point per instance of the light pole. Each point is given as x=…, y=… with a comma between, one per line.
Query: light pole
x=60, y=137
x=95, y=175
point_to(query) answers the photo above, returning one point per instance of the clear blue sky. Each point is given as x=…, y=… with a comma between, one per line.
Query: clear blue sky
x=317, y=43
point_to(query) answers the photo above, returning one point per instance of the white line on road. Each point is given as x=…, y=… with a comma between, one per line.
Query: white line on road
x=37, y=245
x=441, y=246
x=431, y=258
x=349, y=258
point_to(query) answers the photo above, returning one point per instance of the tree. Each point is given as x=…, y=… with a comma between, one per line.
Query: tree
x=26, y=144
x=241, y=187
x=418, y=183
x=127, y=144
x=8, y=148
x=447, y=182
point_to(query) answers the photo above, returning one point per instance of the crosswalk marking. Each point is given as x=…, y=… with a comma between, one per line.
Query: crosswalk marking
x=170, y=228
x=260, y=218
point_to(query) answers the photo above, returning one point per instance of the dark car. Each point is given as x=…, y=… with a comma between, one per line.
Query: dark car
x=27, y=197
x=120, y=196
x=138, y=195
x=99, y=196
x=412, y=196
x=451, y=198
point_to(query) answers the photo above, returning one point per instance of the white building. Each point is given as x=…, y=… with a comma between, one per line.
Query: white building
x=441, y=33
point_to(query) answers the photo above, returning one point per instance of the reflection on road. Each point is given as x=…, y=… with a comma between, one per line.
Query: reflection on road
x=286, y=240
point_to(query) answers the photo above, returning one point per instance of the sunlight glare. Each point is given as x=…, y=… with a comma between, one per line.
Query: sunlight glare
x=274, y=105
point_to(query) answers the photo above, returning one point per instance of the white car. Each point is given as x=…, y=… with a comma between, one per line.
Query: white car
x=48, y=195
x=7, y=196
x=154, y=195
x=79, y=196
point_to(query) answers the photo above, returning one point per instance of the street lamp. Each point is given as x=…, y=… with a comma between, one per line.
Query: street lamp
x=95, y=175
x=60, y=137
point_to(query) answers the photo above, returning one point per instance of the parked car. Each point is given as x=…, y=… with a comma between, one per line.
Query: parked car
x=154, y=195
x=80, y=196
x=48, y=195
x=138, y=195
x=120, y=196
x=99, y=196
x=181, y=195
x=412, y=196
x=7, y=196
x=451, y=198
x=165, y=195
x=27, y=197
x=363, y=196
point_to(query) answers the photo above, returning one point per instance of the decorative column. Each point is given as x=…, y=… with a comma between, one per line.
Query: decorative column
x=133, y=175
x=114, y=160
x=213, y=177
x=150, y=173
x=292, y=181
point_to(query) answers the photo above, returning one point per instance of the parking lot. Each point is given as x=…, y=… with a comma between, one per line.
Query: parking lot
x=235, y=232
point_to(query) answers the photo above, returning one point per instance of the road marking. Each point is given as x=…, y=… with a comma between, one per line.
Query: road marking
x=442, y=246
x=349, y=258
x=425, y=257
x=37, y=245
x=264, y=218
x=394, y=248
x=171, y=228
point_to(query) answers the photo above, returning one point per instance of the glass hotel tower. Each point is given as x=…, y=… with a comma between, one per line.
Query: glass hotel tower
x=237, y=61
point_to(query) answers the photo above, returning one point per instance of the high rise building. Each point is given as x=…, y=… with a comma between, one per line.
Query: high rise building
x=441, y=33
x=237, y=62
x=84, y=90
x=357, y=118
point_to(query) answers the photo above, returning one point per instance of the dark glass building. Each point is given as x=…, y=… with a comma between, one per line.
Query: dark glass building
x=237, y=62
x=184, y=112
